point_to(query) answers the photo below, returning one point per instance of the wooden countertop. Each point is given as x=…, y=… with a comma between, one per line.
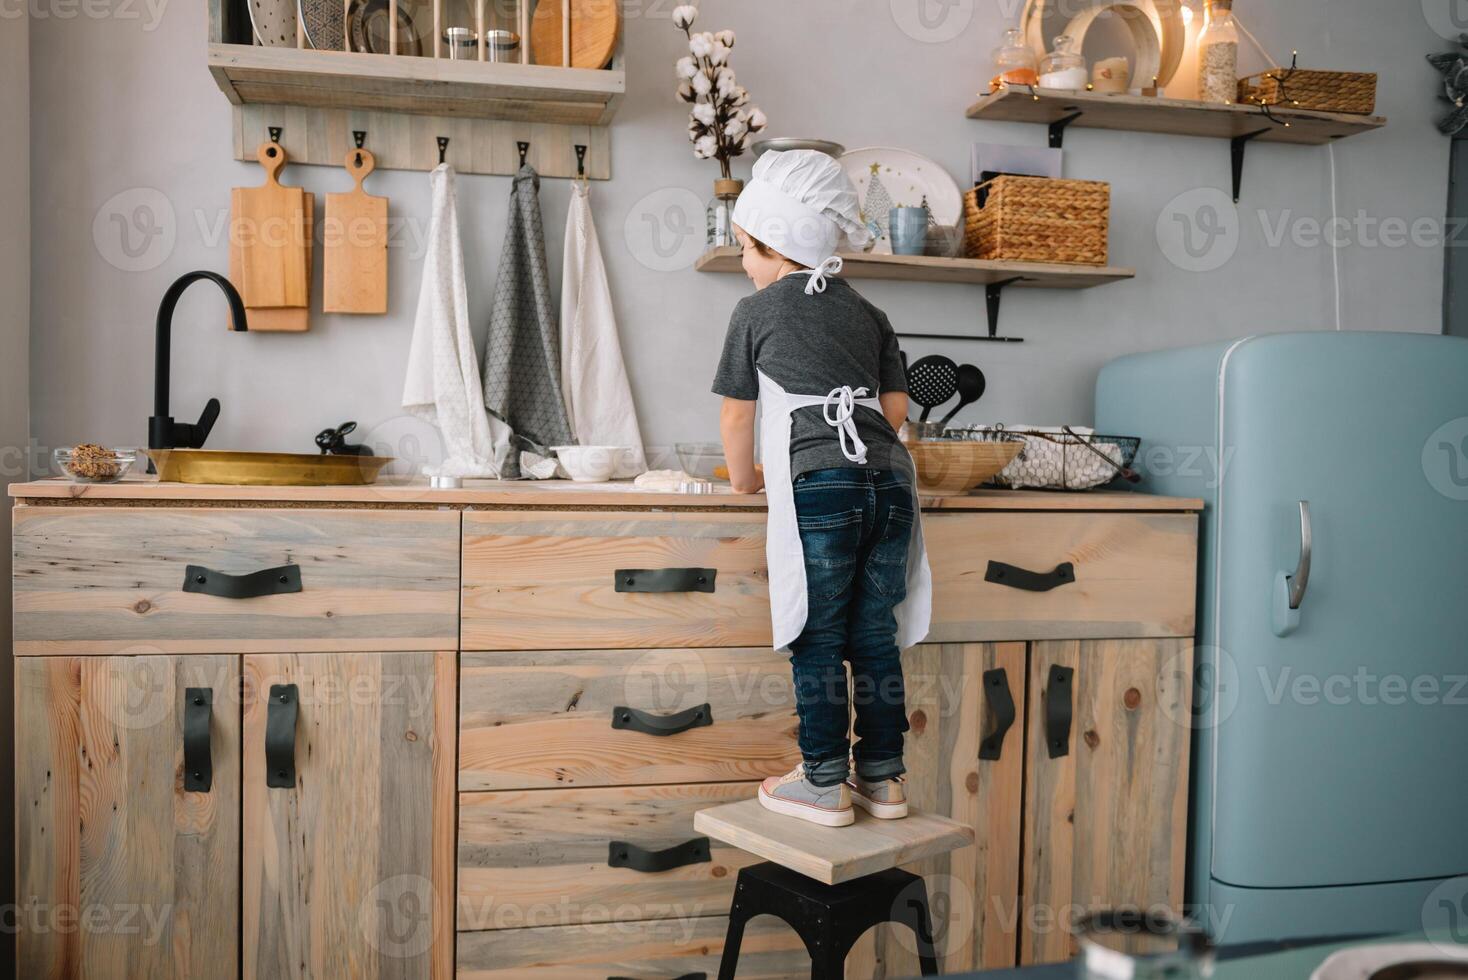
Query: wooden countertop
x=548, y=493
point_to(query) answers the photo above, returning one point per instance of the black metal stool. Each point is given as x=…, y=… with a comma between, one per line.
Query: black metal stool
x=829, y=918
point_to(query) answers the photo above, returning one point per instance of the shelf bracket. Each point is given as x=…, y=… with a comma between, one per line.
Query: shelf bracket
x=993, y=293
x=1057, y=130
x=1239, y=145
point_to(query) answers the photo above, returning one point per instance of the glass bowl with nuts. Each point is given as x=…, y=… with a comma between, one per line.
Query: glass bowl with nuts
x=90, y=463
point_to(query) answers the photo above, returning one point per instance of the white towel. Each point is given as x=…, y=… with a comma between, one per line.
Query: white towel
x=443, y=384
x=594, y=382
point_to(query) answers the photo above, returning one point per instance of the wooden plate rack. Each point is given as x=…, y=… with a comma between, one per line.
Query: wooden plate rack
x=406, y=102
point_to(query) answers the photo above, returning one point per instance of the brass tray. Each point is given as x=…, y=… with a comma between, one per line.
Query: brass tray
x=238, y=469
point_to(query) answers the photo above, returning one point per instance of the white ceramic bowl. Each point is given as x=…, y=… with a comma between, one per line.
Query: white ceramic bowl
x=591, y=464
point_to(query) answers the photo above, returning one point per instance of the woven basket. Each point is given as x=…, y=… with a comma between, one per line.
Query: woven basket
x=1325, y=91
x=1038, y=219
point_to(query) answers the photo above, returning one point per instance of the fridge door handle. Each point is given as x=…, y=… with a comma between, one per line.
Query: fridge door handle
x=1289, y=590
x=1300, y=581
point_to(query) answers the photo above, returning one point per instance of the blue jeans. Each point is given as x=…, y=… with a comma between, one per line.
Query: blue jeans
x=854, y=529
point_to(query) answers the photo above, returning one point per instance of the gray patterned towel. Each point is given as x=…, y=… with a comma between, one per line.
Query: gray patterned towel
x=522, y=354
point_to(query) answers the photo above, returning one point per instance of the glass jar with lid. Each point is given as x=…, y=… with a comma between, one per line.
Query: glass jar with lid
x=1064, y=67
x=1014, y=62
x=1218, y=54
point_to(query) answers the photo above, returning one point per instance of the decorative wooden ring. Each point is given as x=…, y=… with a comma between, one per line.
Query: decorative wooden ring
x=1165, y=17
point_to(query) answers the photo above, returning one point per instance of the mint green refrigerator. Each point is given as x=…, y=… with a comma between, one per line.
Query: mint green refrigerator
x=1330, y=763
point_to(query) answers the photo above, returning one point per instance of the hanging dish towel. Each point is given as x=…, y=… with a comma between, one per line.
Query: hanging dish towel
x=594, y=382
x=522, y=356
x=442, y=385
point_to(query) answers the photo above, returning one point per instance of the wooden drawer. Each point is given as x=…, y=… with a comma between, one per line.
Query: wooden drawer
x=578, y=856
x=111, y=580
x=1133, y=575
x=549, y=582
x=645, y=950
x=546, y=719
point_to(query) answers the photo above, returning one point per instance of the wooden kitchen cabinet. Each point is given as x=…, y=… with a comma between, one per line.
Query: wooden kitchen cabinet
x=122, y=870
x=964, y=761
x=1105, y=794
x=348, y=866
x=592, y=715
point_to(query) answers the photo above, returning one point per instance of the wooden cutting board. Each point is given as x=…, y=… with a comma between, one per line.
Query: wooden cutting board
x=279, y=319
x=594, y=28
x=266, y=222
x=354, y=245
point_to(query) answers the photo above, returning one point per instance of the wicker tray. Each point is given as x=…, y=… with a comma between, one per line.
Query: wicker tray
x=1038, y=219
x=1299, y=88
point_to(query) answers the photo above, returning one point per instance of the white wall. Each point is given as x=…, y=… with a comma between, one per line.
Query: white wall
x=15, y=285
x=122, y=105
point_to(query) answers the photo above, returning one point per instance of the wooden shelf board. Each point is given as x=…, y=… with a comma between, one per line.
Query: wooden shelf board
x=931, y=268
x=249, y=74
x=1175, y=116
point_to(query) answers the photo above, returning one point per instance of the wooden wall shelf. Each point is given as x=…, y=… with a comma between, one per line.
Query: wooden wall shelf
x=933, y=268
x=995, y=277
x=1175, y=116
x=406, y=103
x=250, y=74
x=1239, y=124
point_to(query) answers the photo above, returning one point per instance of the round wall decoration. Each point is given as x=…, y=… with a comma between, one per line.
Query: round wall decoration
x=1158, y=33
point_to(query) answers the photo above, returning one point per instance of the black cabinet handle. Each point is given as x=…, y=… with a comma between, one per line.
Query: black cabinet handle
x=665, y=579
x=662, y=725
x=267, y=581
x=1001, y=709
x=621, y=854
x=280, y=736
x=1058, y=711
x=1022, y=578
x=198, y=760
x=686, y=976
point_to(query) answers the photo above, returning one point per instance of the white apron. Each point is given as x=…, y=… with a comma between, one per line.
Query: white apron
x=783, y=551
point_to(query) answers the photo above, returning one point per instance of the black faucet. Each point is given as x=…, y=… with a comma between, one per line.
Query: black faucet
x=163, y=431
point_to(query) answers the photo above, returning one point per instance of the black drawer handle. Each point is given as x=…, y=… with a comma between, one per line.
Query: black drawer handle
x=267, y=581
x=662, y=725
x=1058, y=711
x=686, y=976
x=1001, y=709
x=1022, y=578
x=280, y=736
x=621, y=854
x=665, y=579
x=198, y=760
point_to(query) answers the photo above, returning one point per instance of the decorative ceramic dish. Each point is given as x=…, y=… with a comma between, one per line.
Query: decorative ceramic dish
x=887, y=178
x=325, y=23
x=370, y=29
x=274, y=22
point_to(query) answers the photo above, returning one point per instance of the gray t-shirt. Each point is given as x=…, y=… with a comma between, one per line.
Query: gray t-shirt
x=809, y=345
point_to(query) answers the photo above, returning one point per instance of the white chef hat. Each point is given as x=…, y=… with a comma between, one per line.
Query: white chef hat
x=798, y=203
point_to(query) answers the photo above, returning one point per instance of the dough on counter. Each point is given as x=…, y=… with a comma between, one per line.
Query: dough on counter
x=665, y=481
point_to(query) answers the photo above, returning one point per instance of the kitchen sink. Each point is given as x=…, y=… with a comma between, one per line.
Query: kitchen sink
x=242, y=469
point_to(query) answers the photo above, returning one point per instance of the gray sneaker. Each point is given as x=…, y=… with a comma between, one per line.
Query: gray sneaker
x=795, y=796
x=886, y=799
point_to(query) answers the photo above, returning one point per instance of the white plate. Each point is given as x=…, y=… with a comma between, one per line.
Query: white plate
x=274, y=22
x=908, y=178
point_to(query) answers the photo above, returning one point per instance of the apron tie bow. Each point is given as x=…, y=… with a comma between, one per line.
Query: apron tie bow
x=843, y=400
x=818, y=275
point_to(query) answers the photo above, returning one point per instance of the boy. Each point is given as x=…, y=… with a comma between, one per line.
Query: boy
x=849, y=579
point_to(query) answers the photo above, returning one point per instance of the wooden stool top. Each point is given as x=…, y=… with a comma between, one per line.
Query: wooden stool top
x=832, y=854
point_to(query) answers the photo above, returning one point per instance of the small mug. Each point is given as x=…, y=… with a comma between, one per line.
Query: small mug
x=908, y=229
